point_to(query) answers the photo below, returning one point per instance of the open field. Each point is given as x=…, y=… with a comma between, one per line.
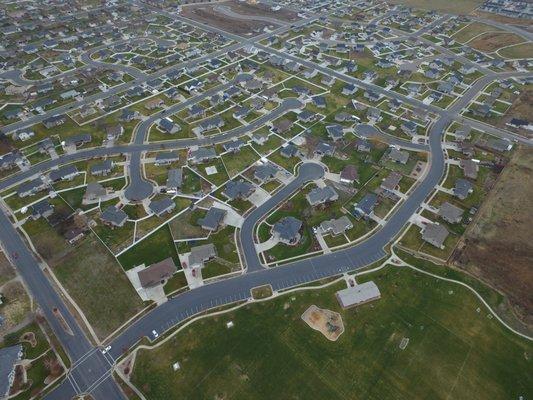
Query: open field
x=492, y=41
x=262, y=10
x=498, y=248
x=454, y=350
x=98, y=285
x=206, y=14
x=471, y=31
x=456, y=7
x=524, y=50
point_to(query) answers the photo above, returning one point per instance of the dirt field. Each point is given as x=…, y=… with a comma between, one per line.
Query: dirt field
x=206, y=14
x=455, y=7
x=492, y=41
x=262, y=10
x=498, y=247
x=327, y=322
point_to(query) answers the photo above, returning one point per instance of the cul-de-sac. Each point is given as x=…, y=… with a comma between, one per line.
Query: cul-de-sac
x=260, y=199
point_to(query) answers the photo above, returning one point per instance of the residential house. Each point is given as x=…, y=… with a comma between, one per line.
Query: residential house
x=240, y=189
x=336, y=226
x=335, y=132
x=202, y=154
x=365, y=207
x=102, y=169
x=349, y=174
x=174, y=179
x=435, y=234
x=66, y=173
x=450, y=213
x=166, y=158
x=114, y=216
x=462, y=188
x=213, y=219
x=321, y=195
x=156, y=274
x=287, y=231
x=162, y=206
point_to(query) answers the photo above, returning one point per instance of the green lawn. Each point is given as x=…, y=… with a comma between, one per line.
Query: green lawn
x=455, y=351
x=236, y=162
x=154, y=248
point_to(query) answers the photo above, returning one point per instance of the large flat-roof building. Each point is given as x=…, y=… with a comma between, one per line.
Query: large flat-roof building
x=358, y=294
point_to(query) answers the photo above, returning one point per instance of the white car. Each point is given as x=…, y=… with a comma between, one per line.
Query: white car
x=106, y=349
x=155, y=334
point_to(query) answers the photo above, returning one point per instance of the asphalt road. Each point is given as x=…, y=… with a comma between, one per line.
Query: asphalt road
x=370, y=131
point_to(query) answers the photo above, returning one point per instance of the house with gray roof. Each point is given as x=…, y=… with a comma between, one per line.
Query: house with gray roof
x=78, y=140
x=470, y=168
x=336, y=226
x=240, y=189
x=162, y=206
x=462, y=188
x=450, y=213
x=199, y=255
x=335, y=132
x=365, y=207
x=398, y=156
x=287, y=230
x=168, y=126
x=114, y=216
x=324, y=149
x=166, y=158
x=210, y=123
x=289, y=151
x=66, y=173
x=435, y=234
x=174, y=179
x=41, y=209
x=202, y=155
x=102, y=169
x=321, y=195
x=234, y=146
x=213, y=219
x=265, y=172
x=94, y=192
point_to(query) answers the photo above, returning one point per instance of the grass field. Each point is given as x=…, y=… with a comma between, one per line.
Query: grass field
x=519, y=51
x=455, y=351
x=471, y=31
x=98, y=285
x=145, y=250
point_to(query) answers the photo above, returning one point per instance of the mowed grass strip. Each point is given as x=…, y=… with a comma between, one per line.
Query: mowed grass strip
x=455, y=351
x=97, y=284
